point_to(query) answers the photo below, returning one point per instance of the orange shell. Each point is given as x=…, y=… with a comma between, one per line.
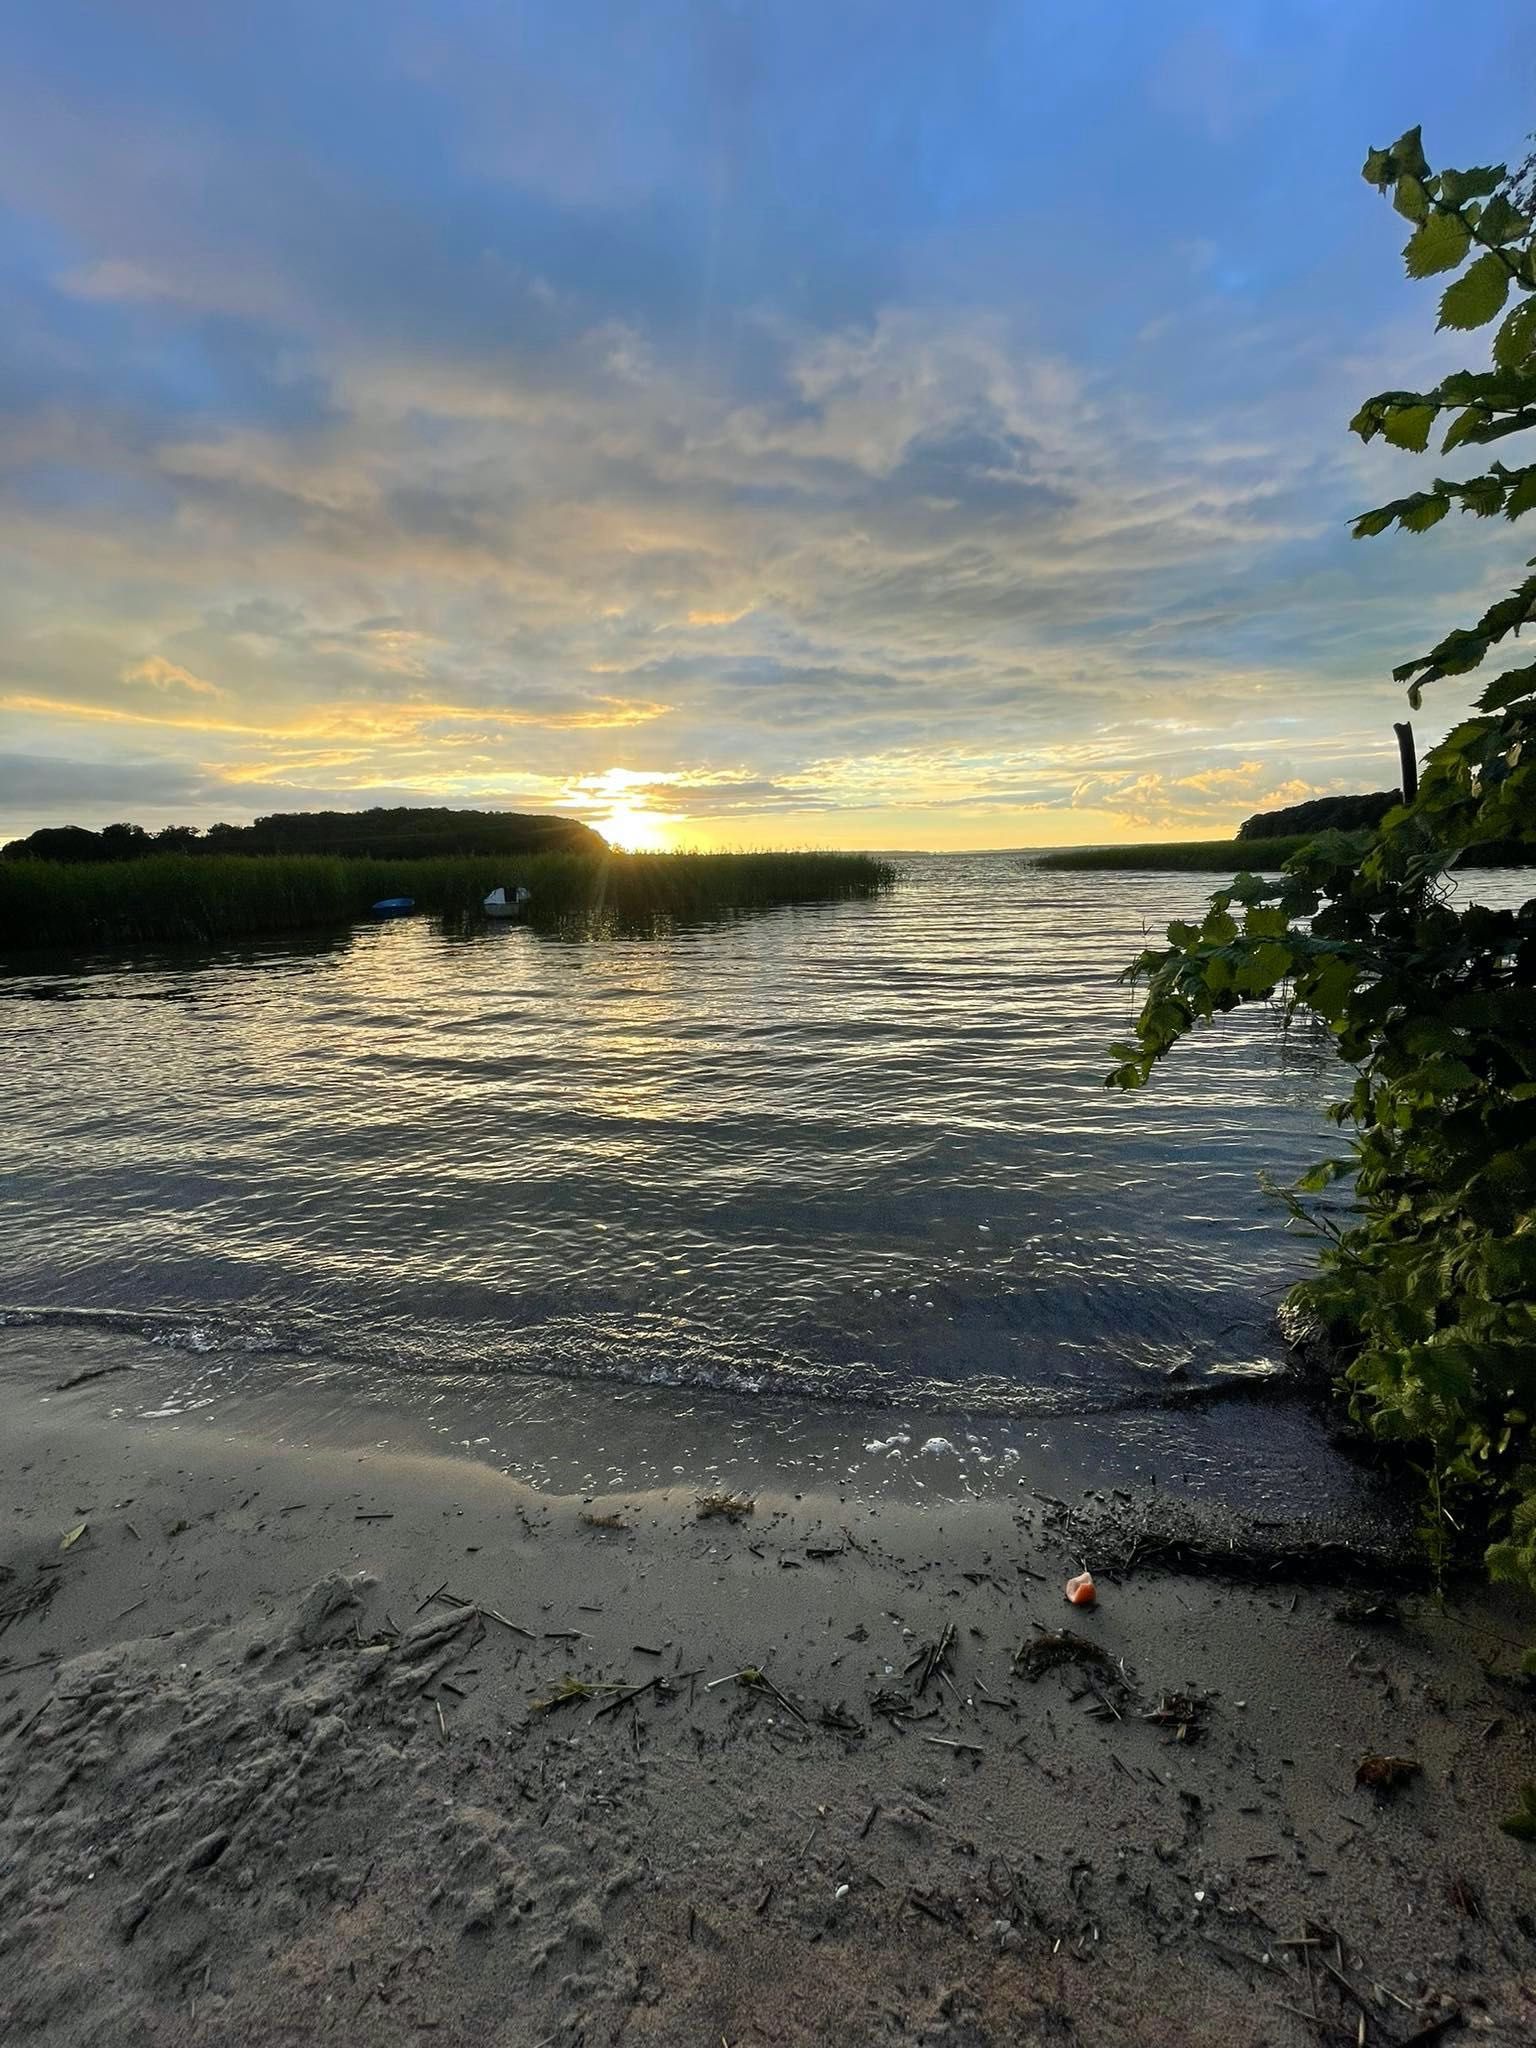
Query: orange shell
x=1080, y=1591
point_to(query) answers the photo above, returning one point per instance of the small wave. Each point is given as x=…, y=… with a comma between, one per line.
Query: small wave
x=441, y=1354
x=173, y=1329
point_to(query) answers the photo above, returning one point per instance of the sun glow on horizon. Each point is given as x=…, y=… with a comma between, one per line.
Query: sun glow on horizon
x=634, y=829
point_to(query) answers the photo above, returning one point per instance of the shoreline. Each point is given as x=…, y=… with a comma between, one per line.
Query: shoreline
x=1285, y=1371
x=262, y=1780
x=1261, y=1446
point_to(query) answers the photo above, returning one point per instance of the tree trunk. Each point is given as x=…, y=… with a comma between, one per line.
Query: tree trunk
x=1409, y=761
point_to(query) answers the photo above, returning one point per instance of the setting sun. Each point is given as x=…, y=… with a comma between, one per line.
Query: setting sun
x=634, y=829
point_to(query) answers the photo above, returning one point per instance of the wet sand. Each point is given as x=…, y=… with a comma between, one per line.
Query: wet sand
x=284, y=1757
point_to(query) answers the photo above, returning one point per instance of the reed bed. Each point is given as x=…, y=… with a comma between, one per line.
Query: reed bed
x=1191, y=856
x=1232, y=856
x=207, y=897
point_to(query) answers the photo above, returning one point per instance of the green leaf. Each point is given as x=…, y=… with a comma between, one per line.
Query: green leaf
x=1428, y=512
x=1458, y=186
x=1461, y=387
x=1329, y=987
x=1439, y=1077
x=1323, y=1175
x=1463, y=425
x=1408, y=154
x=1499, y=426
x=1409, y=197
x=1407, y=426
x=1483, y=495
x=1264, y=967
x=1367, y=421
x=1439, y=243
x=1508, y=688
x=1476, y=295
x=1515, y=343
x=1424, y=1035
x=72, y=1536
x=1523, y=497
x=1501, y=222
x=1369, y=524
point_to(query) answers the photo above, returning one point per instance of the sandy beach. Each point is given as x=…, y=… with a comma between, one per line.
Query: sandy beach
x=285, y=1755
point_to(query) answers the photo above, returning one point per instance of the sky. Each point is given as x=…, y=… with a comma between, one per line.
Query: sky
x=832, y=424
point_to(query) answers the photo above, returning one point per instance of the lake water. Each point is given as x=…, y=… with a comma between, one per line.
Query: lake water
x=861, y=1151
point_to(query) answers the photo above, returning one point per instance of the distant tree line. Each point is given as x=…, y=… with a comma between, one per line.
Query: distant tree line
x=1321, y=814
x=405, y=833
x=1364, y=814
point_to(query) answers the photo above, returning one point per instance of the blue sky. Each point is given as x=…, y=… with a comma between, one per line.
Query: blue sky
x=848, y=424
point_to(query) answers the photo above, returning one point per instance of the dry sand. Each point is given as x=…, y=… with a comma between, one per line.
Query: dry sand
x=274, y=1768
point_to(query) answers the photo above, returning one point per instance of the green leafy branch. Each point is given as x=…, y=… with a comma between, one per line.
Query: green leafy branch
x=1426, y=1282
x=1510, y=491
x=1467, y=648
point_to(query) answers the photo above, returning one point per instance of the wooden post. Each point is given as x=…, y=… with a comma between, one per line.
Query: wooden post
x=1409, y=761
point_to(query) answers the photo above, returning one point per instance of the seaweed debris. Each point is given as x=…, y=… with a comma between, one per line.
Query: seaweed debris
x=1053, y=1646
x=1124, y=1535
x=570, y=1691
x=733, y=1506
x=933, y=1660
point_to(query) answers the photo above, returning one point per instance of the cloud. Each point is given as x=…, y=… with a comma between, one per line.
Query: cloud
x=117, y=280
x=729, y=617
x=47, y=788
x=167, y=675
x=381, y=723
x=1155, y=799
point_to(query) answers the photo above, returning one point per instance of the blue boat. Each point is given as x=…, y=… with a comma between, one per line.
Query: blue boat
x=394, y=906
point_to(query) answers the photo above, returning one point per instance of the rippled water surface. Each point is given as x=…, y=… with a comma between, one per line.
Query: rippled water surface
x=859, y=1150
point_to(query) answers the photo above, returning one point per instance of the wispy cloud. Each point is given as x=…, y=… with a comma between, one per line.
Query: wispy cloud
x=167, y=675
x=374, y=722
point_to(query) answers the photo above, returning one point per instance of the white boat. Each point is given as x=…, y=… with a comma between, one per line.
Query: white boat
x=501, y=904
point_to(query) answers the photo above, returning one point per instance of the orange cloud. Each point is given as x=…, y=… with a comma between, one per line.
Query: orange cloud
x=286, y=768
x=1238, y=780
x=167, y=675
x=383, y=722
x=718, y=618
